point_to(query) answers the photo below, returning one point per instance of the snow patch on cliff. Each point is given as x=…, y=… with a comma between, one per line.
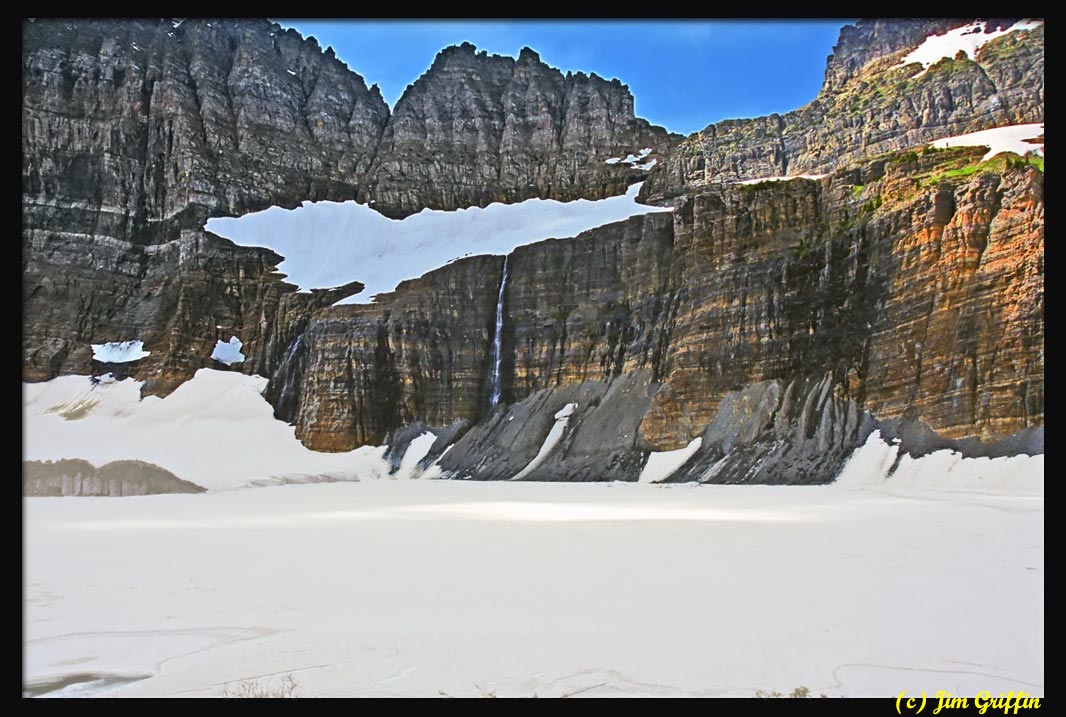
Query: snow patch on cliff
x=999, y=139
x=662, y=464
x=760, y=180
x=228, y=352
x=562, y=418
x=632, y=159
x=119, y=351
x=416, y=451
x=327, y=244
x=968, y=39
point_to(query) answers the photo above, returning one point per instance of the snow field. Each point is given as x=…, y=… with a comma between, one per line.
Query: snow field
x=417, y=588
x=327, y=244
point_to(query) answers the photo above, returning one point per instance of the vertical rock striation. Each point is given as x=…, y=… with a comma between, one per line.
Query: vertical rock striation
x=775, y=321
x=901, y=287
x=135, y=132
x=479, y=128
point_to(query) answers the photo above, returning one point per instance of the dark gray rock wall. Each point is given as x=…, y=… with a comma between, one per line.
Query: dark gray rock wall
x=136, y=131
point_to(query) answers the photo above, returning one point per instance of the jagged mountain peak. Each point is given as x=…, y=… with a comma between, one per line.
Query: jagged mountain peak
x=873, y=102
x=512, y=129
x=137, y=131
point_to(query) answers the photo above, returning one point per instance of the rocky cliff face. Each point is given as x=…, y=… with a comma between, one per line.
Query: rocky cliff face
x=777, y=322
x=477, y=129
x=135, y=132
x=884, y=289
x=128, y=124
x=870, y=104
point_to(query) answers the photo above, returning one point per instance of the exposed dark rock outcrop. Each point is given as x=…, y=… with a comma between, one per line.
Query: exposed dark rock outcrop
x=773, y=432
x=916, y=439
x=74, y=477
x=599, y=441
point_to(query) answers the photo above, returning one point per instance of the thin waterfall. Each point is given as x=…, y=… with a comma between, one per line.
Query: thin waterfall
x=289, y=371
x=497, y=340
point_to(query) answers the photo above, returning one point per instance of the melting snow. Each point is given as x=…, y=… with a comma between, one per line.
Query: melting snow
x=434, y=470
x=999, y=139
x=662, y=464
x=562, y=417
x=871, y=465
x=229, y=352
x=566, y=411
x=969, y=39
x=119, y=351
x=416, y=451
x=632, y=159
x=328, y=244
x=216, y=430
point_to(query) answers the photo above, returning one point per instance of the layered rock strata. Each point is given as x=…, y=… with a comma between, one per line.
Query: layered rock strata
x=136, y=131
x=778, y=322
x=884, y=288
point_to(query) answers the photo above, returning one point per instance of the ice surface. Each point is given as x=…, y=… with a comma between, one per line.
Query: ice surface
x=423, y=588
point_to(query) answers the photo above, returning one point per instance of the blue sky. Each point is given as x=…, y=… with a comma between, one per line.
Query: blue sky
x=683, y=74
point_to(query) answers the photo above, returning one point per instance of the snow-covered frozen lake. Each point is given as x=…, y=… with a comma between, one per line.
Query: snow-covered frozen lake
x=423, y=588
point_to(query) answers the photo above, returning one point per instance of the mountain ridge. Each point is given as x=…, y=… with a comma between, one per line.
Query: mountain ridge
x=906, y=284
